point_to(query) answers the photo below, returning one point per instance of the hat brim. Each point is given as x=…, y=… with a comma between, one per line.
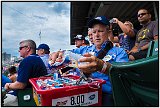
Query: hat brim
x=78, y=39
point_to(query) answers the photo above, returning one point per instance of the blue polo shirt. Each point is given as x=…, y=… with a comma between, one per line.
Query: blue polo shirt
x=31, y=67
x=116, y=54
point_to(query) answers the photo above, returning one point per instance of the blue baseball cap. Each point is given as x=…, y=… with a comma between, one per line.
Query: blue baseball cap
x=97, y=20
x=43, y=46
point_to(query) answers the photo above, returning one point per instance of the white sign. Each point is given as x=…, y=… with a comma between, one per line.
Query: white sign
x=85, y=99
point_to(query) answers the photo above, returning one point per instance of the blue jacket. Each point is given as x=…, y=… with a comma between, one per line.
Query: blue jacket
x=115, y=54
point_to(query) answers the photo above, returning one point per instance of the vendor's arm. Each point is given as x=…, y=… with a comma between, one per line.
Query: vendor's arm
x=56, y=56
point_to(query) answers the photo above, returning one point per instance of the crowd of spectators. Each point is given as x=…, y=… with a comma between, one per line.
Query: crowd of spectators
x=105, y=47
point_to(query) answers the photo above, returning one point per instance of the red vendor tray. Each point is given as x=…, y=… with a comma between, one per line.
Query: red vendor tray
x=89, y=94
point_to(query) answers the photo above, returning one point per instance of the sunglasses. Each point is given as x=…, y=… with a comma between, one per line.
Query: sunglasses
x=20, y=48
x=141, y=14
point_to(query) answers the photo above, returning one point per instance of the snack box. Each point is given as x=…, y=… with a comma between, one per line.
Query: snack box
x=68, y=94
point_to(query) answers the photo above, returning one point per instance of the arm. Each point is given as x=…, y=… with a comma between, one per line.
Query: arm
x=155, y=31
x=134, y=49
x=127, y=30
x=147, y=45
x=15, y=85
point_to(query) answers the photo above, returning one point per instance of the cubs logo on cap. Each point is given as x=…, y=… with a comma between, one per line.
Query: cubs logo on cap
x=100, y=19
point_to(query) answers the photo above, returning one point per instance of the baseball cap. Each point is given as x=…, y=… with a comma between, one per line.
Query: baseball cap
x=43, y=46
x=79, y=37
x=99, y=19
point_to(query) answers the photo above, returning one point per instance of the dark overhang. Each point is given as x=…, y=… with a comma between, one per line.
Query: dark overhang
x=81, y=12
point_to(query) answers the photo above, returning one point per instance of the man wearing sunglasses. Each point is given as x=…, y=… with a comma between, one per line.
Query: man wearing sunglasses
x=147, y=33
x=31, y=66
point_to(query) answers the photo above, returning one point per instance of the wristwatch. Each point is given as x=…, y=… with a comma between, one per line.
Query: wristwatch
x=139, y=49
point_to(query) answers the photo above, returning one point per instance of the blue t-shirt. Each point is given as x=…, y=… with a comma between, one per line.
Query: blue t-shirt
x=31, y=67
x=115, y=54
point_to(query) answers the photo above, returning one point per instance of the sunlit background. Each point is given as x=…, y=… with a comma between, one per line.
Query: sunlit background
x=43, y=22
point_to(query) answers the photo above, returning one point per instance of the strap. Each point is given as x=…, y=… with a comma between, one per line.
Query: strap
x=105, y=50
x=102, y=53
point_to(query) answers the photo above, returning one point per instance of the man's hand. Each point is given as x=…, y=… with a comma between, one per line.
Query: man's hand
x=92, y=64
x=115, y=20
x=133, y=51
x=56, y=57
x=7, y=86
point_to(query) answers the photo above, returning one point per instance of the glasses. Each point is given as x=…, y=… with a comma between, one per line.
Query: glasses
x=20, y=48
x=141, y=14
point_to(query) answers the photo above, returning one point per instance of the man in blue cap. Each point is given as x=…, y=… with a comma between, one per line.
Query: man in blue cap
x=43, y=51
x=104, y=55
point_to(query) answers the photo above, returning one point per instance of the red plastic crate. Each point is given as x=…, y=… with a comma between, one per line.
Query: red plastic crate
x=82, y=95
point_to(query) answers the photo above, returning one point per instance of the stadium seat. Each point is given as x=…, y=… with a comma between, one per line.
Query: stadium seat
x=136, y=83
x=153, y=48
x=25, y=97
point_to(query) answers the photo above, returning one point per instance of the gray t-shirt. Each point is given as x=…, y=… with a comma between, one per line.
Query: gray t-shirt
x=147, y=33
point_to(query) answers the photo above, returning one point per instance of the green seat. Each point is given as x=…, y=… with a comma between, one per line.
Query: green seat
x=135, y=83
x=25, y=97
x=153, y=48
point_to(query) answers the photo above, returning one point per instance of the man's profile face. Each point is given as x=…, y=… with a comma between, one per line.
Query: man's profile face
x=90, y=36
x=23, y=50
x=78, y=43
x=40, y=52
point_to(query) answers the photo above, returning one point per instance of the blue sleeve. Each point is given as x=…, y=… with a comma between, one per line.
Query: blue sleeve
x=23, y=71
x=122, y=56
x=80, y=50
x=77, y=50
